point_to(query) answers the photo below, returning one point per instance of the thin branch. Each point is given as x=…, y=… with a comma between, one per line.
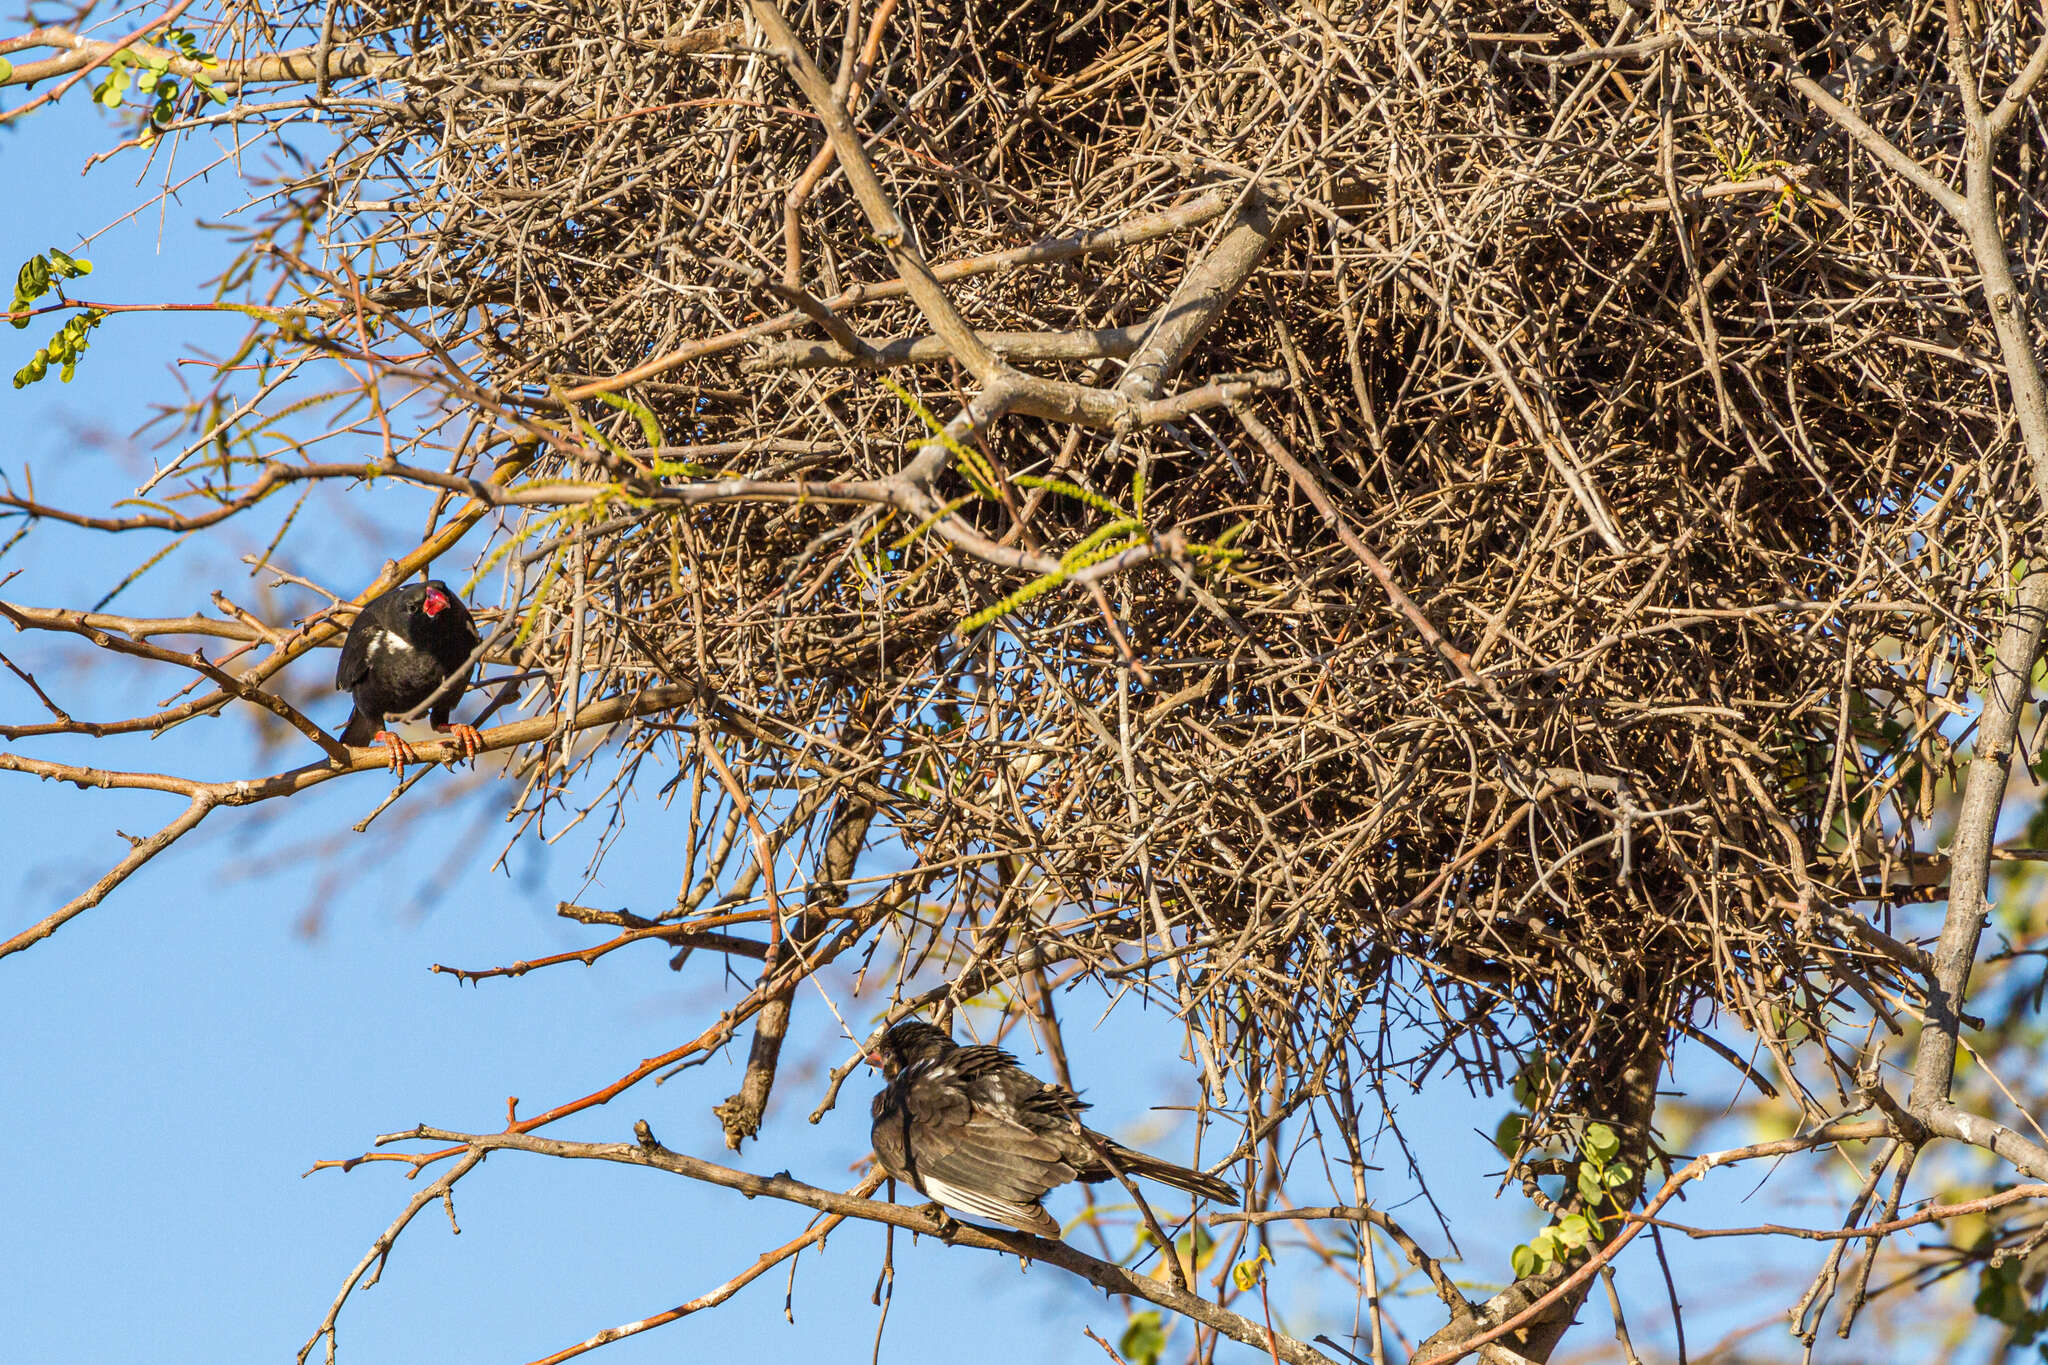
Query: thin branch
x=205, y=796
x=1459, y=661
x=767, y=1261
x=1136, y=231
x=1106, y=1275
x=1101, y=343
x=918, y=280
x=81, y=63
x=139, y=852
x=1692, y=1170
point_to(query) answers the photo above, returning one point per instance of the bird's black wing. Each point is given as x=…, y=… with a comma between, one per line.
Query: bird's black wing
x=355, y=654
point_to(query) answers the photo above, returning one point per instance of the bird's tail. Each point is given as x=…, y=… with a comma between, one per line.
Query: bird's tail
x=1134, y=1162
x=359, y=731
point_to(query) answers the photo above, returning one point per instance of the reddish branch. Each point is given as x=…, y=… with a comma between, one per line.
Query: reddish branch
x=207, y=796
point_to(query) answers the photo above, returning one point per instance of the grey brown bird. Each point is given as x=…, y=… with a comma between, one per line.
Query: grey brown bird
x=972, y=1130
x=401, y=648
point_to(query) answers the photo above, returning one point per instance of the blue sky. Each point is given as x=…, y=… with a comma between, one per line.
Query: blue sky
x=172, y=1062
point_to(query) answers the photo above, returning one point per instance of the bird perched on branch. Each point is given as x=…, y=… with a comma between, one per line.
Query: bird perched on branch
x=970, y=1129
x=406, y=646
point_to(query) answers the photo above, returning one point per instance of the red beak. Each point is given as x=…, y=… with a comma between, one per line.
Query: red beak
x=435, y=604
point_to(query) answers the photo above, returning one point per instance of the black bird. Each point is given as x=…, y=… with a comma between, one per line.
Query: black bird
x=400, y=648
x=969, y=1128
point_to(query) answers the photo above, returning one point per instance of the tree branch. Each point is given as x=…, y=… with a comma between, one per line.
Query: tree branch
x=1106, y=1275
x=1692, y=1170
x=923, y=287
x=205, y=796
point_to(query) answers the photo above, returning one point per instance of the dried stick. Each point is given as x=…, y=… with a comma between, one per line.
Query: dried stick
x=767, y=1261
x=1106, y=1275
x=923, y=287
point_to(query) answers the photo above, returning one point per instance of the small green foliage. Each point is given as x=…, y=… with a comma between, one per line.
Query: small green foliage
x=67, y=265
x=1196, y=1247
x=1575, y=1230
x=1036, y=588
x=2002, y=1296
x=40, y=274
x=62, y=351
x=6, y=69
x=1072, y=490
x=680, y=469
x=649, y=427
x=1144, y=1338
x=1246, y=1274
x=1744, y=163
x=1507, y=1135
x=973, y=465
x=1123, y=531
x=147, y=71
x=1597, y=1176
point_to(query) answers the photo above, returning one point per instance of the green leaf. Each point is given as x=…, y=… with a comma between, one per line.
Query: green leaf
x=1575, y=1231
x=1507, y=1135
x=1524, y=1261
x=1601, y=1142
x=6, y=70
x=1247, y=1274
x=1591, y=1186
x=1546, y=1245
x=1144, y=1339
x=1617, y=1175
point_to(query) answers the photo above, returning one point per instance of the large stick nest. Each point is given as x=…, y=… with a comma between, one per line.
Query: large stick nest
x=1713, y=493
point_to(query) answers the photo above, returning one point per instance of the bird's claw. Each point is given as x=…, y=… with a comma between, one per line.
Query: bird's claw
x=400, y=753
x=466, y=737
x=946, y=1226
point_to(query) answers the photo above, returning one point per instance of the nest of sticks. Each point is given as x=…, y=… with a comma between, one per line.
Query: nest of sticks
x=1529, y=598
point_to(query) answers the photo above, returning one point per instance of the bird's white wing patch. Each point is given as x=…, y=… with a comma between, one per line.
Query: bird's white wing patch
x=383, y=642
x=1025, y=1217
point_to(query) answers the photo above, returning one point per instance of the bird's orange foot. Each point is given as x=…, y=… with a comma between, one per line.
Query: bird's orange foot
x=400, y=754
x=467, y=737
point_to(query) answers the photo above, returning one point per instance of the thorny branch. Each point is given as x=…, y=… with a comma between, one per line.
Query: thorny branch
x=1564, y=648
